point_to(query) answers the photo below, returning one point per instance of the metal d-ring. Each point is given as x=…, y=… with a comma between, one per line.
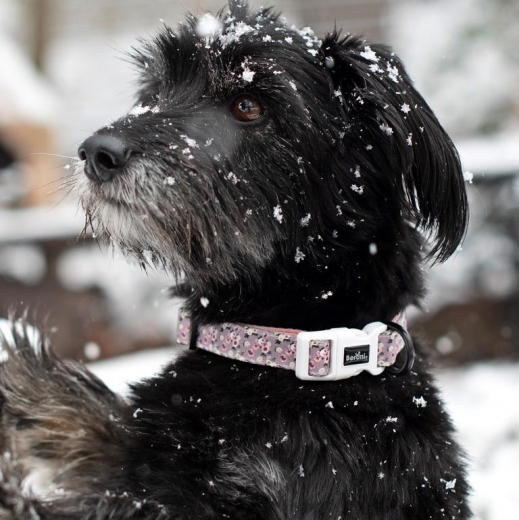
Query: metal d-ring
x=407, y=352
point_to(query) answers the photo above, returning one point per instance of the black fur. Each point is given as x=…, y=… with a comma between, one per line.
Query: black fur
x=223, y=206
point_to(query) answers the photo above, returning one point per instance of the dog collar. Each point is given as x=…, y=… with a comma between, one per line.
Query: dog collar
x=323, y=355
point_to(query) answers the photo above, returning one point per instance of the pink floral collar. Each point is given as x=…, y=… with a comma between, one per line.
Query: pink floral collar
x=320, y=355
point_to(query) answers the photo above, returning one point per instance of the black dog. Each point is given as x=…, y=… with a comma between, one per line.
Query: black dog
x=286, y=182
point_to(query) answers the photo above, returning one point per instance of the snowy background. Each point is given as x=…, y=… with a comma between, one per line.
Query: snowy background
x=62, y=67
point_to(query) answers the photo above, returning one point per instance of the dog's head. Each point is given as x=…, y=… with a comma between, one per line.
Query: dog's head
x=255, y=147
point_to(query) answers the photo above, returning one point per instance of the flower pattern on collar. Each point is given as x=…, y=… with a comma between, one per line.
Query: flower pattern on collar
x=276, y=347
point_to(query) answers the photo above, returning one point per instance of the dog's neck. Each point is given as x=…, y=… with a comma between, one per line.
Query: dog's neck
x=363, y=290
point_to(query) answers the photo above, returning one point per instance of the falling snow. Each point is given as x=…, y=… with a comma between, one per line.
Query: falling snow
x=208, y=25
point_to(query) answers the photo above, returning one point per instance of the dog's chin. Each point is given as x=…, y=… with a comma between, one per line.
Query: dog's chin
x=142, y=238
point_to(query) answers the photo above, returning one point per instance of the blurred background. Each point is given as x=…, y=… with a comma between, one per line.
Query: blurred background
x=63, y=74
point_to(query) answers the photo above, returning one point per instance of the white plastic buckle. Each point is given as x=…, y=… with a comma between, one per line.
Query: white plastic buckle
x=351, y=352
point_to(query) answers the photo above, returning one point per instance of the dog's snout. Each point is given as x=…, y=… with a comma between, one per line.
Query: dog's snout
x=104, y=155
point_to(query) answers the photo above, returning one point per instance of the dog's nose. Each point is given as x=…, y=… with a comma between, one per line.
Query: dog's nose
x=104, y=156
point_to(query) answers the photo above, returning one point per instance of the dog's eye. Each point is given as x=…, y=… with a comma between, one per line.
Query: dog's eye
x=246, y=108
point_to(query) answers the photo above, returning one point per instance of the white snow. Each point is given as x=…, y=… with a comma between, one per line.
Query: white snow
x=305, y=221
x=248, y=75
x=369, y=54
x=299, y=255
x=208, y=25
x=386, y=129
x=278, y=213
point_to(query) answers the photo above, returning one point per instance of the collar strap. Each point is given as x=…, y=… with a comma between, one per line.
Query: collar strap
x=324, y=355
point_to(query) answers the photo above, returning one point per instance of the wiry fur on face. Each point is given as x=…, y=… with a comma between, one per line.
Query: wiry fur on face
x=342, y=158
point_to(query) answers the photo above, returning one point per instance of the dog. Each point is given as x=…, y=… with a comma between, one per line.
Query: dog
x=293, y=187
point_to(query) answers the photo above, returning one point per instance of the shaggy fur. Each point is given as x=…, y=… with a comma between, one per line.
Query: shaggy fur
x=310, y=216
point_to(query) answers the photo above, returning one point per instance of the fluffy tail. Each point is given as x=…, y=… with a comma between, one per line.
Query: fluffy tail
x=62, y=436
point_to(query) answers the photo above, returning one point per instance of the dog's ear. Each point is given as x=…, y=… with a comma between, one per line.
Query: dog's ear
x=401, y=138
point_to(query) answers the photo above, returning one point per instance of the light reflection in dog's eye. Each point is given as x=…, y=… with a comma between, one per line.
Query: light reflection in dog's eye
x=246, y=108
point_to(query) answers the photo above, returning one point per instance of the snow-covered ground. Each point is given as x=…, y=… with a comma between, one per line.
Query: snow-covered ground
x=483, y=401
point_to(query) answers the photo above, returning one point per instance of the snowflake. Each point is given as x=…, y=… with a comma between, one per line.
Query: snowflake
x=468, y=177
x=299, y=256
x=369, y=54
x=305, y=221
x=386, y=129
x=449, y=484
x=420, y=402
x=233, y=178
x=393, y=73
x=190, y=142
x=248, y=75
x=278, y=213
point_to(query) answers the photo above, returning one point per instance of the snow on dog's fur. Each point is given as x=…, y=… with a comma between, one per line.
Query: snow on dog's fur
x=284, y=181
